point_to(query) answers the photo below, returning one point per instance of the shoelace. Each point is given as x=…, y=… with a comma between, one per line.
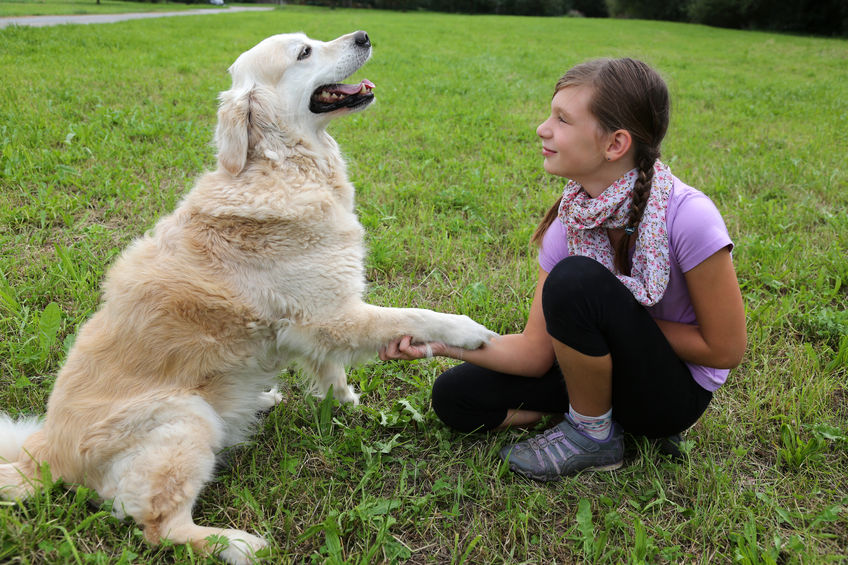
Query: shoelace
x=546, y=438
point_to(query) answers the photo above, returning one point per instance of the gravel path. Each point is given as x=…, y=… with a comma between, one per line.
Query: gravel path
x=41, y=21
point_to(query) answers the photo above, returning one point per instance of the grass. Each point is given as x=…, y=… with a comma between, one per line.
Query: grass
x=103, y=128
x=11, y=8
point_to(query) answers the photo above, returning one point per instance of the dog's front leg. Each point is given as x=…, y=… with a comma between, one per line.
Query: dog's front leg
x=269, y=399
x=361, y=330
x=326, y=374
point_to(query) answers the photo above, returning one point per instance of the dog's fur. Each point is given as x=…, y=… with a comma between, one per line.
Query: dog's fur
x=261, y=265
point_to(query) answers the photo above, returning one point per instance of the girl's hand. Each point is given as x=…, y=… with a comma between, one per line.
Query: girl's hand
x=403, y=349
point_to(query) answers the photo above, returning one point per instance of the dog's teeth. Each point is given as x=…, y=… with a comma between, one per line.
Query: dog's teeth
x=327, y=96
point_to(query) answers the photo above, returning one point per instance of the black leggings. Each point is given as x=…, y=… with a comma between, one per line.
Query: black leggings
x=587, y=308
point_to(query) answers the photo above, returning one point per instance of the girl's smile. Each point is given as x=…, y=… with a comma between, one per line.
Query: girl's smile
x=576, y=147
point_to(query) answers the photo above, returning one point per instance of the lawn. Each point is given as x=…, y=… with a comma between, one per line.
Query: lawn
x=10, y=8
x=103, y=129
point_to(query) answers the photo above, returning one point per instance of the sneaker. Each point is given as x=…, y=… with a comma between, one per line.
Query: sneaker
x=564, y=450
x=670, y=446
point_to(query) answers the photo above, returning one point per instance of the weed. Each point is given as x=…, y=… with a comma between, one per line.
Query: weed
x=796, y=452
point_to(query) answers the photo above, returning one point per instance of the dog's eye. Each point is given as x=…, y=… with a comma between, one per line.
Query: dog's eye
x=304, y=53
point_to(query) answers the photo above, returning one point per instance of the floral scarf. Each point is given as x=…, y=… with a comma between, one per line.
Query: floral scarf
x=587, y=219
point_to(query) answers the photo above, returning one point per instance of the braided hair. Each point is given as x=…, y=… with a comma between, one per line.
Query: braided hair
x=626, y=94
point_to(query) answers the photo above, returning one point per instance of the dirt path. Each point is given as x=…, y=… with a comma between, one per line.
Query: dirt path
x=41, y=21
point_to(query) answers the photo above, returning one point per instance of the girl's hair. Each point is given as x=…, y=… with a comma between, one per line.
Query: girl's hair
x=629, y=95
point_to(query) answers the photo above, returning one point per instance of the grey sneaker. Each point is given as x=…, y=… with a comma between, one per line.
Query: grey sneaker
x=564, y=450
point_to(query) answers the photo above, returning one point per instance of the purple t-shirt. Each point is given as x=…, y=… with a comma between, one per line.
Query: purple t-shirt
x=695, y=232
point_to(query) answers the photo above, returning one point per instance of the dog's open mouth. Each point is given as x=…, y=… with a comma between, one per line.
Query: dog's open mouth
x=334, y=96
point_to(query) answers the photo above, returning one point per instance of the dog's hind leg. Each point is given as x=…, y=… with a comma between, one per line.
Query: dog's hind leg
x=233, y=546
x=15, y=482
x=22, y=476
x=157, y=480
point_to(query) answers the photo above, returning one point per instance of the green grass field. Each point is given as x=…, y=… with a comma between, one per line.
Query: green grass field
x=10, y=8
x=104, y=128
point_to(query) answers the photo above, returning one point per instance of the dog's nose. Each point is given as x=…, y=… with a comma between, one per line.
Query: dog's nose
x=360, y=38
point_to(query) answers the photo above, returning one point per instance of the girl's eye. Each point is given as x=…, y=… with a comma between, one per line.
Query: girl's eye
x=304, y=53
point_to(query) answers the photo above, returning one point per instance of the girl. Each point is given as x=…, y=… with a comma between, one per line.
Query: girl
x=637, y=316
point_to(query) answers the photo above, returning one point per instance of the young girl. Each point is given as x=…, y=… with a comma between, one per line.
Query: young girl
x=637, y=316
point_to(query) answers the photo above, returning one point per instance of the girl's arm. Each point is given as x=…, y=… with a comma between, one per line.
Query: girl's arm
x=719, y=339
x=529, y=353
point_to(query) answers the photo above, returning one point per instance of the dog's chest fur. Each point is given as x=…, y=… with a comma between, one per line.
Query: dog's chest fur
x=284, y=236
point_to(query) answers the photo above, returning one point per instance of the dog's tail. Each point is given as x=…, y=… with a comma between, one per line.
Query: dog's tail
x=17, y=470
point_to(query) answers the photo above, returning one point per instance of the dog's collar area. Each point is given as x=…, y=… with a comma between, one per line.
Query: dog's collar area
x=334, y=96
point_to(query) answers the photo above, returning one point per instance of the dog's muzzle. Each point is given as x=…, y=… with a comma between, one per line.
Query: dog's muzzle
x=332, y=97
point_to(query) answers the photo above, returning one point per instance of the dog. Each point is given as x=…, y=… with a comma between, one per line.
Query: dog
x=260, y=266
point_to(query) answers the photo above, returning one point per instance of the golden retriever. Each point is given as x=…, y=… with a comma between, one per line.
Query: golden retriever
x=260, y=266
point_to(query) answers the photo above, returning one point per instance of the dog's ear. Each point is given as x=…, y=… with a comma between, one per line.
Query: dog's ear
x=243, y=117
x=231, y=135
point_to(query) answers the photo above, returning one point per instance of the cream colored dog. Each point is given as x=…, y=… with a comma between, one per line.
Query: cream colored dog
x=261, y=265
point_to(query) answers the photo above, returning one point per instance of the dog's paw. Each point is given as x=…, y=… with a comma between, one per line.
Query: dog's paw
x=241, y=547
x=455, y=330
x=343, y=393
x=346, y=394
x=268, y=400
x=466, y=333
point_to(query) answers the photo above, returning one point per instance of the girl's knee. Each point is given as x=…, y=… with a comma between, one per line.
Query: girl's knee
x=446, y=397
x=571, y=281
x=457, y=402
x=575, y=274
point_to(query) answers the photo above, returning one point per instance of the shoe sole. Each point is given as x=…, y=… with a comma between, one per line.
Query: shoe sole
x=547, y=479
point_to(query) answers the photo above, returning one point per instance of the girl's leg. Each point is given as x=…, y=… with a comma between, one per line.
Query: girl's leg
x=470, y=398
x=588, y=379
x=519, y=418
x=614, y=354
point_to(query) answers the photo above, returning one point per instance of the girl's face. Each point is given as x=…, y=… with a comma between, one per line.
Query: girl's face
x=573, y=142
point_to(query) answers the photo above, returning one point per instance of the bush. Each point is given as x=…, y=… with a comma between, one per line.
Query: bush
x=591, y=8
x=823, y=17
x=720, y=13
x=649, y=9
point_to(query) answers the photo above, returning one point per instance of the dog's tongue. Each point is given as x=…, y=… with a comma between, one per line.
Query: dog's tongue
x=350, y=89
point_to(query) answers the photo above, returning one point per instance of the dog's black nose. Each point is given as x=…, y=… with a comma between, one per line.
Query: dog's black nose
x=361, y=39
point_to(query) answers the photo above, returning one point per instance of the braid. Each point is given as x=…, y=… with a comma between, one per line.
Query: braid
x=641, y=193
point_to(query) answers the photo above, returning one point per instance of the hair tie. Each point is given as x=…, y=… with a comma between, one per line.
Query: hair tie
x=630, y=230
